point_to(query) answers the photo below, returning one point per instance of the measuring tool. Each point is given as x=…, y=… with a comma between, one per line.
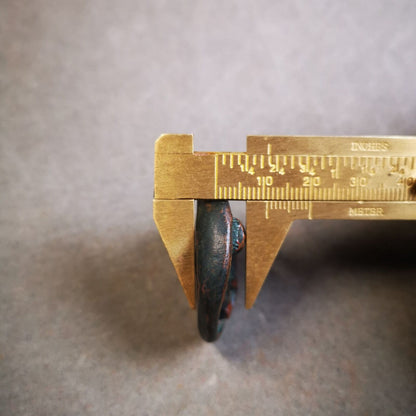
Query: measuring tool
x=282, y=179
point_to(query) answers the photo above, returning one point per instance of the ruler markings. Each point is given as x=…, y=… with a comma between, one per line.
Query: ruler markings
x=298, y=167
x=337, y=167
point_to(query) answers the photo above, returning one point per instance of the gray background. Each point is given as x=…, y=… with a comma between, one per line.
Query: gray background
x=93, y=319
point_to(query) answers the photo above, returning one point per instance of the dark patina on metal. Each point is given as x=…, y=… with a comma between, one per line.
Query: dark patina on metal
x=218, y=236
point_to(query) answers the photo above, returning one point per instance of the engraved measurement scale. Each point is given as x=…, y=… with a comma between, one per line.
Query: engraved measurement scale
x=282, y=179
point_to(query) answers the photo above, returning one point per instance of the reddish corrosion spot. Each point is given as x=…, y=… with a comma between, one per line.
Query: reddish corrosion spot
x=228, y=310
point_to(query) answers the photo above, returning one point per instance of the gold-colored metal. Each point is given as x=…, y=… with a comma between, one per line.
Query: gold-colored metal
x=282, y=179
x=175, y=221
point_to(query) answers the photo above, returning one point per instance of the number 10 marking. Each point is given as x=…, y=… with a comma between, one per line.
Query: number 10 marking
x=264, y=180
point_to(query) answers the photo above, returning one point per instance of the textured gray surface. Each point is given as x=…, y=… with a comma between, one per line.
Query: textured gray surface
x=93, y=319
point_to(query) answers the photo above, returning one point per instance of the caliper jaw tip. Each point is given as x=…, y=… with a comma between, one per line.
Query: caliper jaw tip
x=175, y=222
x=264, y=239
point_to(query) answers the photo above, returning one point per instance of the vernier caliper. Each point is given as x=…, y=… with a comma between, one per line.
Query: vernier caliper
x=282, y=179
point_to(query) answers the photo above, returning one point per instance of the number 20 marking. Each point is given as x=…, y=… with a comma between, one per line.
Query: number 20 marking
x=308, y=181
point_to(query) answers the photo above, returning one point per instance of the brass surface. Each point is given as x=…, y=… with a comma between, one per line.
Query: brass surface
x=282, y=179
x=175, y=222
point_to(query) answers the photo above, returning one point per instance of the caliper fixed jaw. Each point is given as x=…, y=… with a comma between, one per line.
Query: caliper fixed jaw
x=175, y=217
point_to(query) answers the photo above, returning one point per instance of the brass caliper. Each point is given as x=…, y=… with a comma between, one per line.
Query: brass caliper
x=282, y=179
